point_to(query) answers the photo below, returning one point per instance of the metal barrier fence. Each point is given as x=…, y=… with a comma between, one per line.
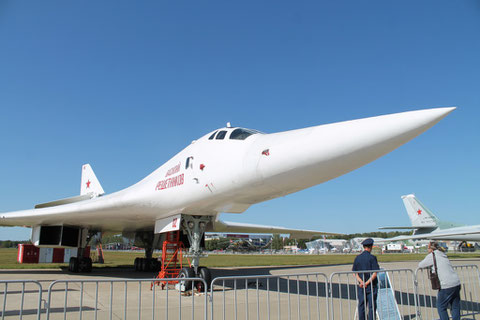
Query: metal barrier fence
x=469, y=294
x=395, y=294
x=402, y=294
x=16, y=306
x=300, y=296
x=123, y=299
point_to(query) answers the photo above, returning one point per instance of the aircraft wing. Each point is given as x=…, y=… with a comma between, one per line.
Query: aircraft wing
x=398, y=228
x=224, y=226
x=441, y=235
x=106, y=213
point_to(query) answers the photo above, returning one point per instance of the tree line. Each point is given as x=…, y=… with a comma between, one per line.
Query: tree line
x=11, y=244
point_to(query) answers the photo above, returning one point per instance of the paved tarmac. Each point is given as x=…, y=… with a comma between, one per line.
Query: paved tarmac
x=109, y=296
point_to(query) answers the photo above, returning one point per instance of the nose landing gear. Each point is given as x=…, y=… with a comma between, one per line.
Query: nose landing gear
x=194, y=227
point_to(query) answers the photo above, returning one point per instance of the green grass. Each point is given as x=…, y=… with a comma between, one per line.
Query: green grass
x=8, y=259
x=305, y=259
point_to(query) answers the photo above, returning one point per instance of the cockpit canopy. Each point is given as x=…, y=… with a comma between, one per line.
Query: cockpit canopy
x=233, y=134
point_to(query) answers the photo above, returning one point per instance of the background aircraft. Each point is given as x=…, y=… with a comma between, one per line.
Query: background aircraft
x=427, y=226
x=227, y=170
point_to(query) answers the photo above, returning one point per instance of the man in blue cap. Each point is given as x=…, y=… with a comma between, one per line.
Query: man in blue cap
x=367, y=282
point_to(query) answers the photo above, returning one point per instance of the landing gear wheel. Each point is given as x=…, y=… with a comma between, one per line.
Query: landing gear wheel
x=85, y=265
x=204, y=274
x=73, y=265
x=146, y=264
x=186, y=273
x=141, y=264
x=156, y=266
x=136, y=264
x=90, y=264
x=80, y=265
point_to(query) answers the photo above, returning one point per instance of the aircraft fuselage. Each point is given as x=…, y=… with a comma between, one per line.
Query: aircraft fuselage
x=230, y=169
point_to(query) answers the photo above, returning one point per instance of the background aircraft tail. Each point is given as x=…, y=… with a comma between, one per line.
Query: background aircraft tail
x=90, y=183
x=419, y=215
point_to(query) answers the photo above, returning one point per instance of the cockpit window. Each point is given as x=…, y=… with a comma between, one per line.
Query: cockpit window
x=241, y=134
x=213, y=135
x=188, y=162
x=221, y=135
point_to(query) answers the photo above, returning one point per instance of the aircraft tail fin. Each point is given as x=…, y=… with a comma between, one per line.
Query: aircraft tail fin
x=90, y=183
x=419, y=215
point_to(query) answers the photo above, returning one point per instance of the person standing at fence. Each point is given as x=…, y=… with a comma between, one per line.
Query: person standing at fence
x=449, y=293
x=367, y=282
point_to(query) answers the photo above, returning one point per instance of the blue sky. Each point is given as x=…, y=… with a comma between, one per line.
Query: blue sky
x=125, y=85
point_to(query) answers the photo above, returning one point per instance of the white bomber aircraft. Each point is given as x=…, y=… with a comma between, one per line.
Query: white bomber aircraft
x=225, y=171
x=427, y=226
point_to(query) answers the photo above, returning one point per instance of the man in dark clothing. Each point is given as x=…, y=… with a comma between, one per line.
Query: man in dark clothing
x=367, y=282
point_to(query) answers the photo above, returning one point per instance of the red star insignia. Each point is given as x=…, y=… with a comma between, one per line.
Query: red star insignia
x=419, y=211
x=88, y=184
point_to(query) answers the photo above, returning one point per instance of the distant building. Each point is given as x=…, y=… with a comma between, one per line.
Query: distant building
x=356, y=243
x=212, y=236
x=327, y=245
x=318, y=246
x=293, y=248
x=255, y=239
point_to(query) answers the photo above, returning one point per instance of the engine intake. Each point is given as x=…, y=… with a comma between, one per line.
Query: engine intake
x=56, y=236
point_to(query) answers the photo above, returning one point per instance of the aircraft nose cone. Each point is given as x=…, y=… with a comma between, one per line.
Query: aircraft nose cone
x=306, y=157
x=386, y=133
x=408, y=124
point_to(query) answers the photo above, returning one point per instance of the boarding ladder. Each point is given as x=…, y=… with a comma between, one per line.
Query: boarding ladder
x=172, y=258
x=97, y=254
x=100, y=257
